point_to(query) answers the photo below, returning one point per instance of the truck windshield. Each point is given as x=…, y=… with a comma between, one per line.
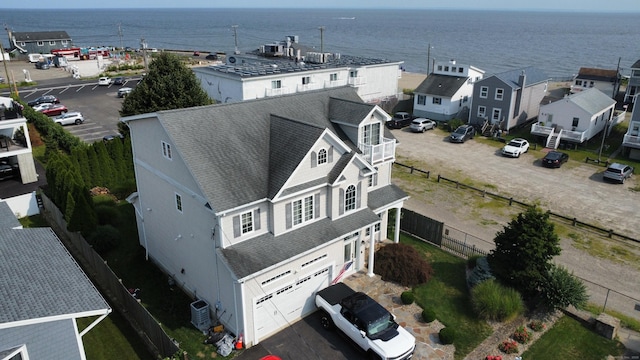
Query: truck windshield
x=380, y=325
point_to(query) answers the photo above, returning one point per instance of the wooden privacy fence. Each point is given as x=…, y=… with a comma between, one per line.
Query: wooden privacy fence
x=110, y=285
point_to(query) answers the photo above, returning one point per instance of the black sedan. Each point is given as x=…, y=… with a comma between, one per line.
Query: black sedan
x=44, y=99
x=554, y=159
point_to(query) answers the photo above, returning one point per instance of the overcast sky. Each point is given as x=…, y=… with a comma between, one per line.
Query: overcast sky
x=553, y=5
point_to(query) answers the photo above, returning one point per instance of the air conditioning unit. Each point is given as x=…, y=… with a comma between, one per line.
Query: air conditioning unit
x=200, y=315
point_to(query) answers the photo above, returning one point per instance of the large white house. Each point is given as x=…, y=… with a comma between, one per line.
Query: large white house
x=447, y=92
x=287, y=68
x=254, y=206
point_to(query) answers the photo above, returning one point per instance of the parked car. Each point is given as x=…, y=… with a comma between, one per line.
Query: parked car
x=617, y=172
x=212, y=57
x=104, y=81
x=123, y=92
x=119, y=81
x=196, y=53
x=44, y=99
x=554, y=159
x=69, y=118
x=462, y=134
x=55, y=110
x=7, y=171
x=515, y=147
x=42, y=106
x=400, y=120
x=422, y=125
x=42, y=65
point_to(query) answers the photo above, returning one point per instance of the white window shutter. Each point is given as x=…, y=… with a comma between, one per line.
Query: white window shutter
x=341, y=202
x=236, y=226
x=288, y=215
x=314, y=159
x=256, y=219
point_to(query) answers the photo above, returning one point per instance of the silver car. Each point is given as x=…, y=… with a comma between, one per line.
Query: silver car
x=69, y=118
x=618, y=172
x=422, y=125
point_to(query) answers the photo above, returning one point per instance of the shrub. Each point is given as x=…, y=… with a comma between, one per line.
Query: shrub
x=403, y=264
x=521, y=335
x=407, y=297
x=536, y=325
x=107, y=215
x=454, y=123
x=492, y=301
x=471, y=261
x=508, y=347
x=480, y=273
x=561, y=289
x=104, y=238
x=447, y=335
x=428, y=315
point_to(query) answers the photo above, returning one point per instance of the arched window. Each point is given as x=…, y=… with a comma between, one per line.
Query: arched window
x=350, y=198
x=322, y=156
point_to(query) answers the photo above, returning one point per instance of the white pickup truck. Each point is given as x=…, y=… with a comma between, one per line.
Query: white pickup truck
x=365, y=322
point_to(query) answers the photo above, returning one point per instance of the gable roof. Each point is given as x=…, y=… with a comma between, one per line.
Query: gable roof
x=229, y=146
x=442, y=85
x=8, y=219
x=348, y=111
x=597, y=74
x=41, y=280
x=590, y=100
x=636, y=65
x=512, y=77
x=41, y=36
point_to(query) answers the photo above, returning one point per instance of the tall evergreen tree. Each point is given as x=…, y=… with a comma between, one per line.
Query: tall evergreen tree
x=523, y=253
x=168, y=85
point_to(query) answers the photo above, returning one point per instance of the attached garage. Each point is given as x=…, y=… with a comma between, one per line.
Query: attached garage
x=288, y=304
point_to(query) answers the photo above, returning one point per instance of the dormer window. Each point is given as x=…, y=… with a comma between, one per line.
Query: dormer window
x=322, y=156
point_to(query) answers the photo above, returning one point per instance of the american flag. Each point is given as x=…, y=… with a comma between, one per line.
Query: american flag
x=345, y=267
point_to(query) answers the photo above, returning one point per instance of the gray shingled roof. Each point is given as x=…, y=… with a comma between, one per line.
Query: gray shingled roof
x=591, y=100
x=534, y=76
x=385, y=196
x=636, y=65
x=40, y=278
x=228, y=146
x=41, y=36
x=348, y=111
x=8, y=219
x=442, y=85
x=262, y=252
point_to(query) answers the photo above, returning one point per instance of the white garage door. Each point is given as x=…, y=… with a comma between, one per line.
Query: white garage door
x=288, y=304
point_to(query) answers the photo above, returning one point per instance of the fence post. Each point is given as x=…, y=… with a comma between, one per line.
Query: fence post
x=575, y=221
x=438, y=177
x=605, y=300
x=610, y=233
x=411, y=170
x=428, y=173
x=457, y=184
x=484, y=193
x=510, y=201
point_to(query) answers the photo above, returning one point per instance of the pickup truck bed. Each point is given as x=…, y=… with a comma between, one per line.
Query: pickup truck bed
x=334, y=294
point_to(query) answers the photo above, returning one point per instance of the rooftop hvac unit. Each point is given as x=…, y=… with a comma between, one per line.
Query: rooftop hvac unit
x=200, y=315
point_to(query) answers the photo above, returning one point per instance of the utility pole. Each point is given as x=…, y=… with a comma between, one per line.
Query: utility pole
x=6, y=71
x=321, y=39
x=428, y=58
x=617, y=82
x=120, y=35
x=143, y=45
x=235, y=38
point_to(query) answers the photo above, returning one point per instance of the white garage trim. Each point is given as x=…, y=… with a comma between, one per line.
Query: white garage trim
x=288, y=304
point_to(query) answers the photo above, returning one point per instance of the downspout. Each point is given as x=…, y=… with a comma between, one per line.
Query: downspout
x=396, y=235
x=372, y=248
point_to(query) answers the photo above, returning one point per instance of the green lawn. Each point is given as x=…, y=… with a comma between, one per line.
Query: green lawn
x=446, y=293
x=112, y=339
x=569, y=340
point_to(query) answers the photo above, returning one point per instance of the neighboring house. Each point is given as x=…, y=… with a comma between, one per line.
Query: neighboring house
x=288, y=68
x=631, y=141
x=15, y=146
x=39, y=42
x=508, y=99
x=446, y=93
x=256, y=205
x=633, y=87
x=576, y=118
x=43, y=294
x=607, y=81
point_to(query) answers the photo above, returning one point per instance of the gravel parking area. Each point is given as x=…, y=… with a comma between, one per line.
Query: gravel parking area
x=575, y=190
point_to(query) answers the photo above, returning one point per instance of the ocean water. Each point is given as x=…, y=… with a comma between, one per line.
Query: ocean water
x=494, y=41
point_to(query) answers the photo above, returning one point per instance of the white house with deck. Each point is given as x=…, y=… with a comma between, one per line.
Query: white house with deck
x=575, y=119
x=287, y=67
x=254, y=206
x=631, y=141
x=447, y=92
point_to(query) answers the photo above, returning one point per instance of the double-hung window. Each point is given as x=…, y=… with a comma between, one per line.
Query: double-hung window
x=484, y=91
x=437, y=100
x=350, y=198
x=246, y=222
x=276, y=84
x=499, y=94
x=302, y=210
x=333, y=77
x=482, y=111
x=166, y=150
x=422, y=99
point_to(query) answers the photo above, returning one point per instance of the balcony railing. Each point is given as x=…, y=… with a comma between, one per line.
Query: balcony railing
x=307, y=87
x=378, y=153
x=357, y=81
x=278, y=91
x=537, y=129
x=631, y=141
x=335, y=83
